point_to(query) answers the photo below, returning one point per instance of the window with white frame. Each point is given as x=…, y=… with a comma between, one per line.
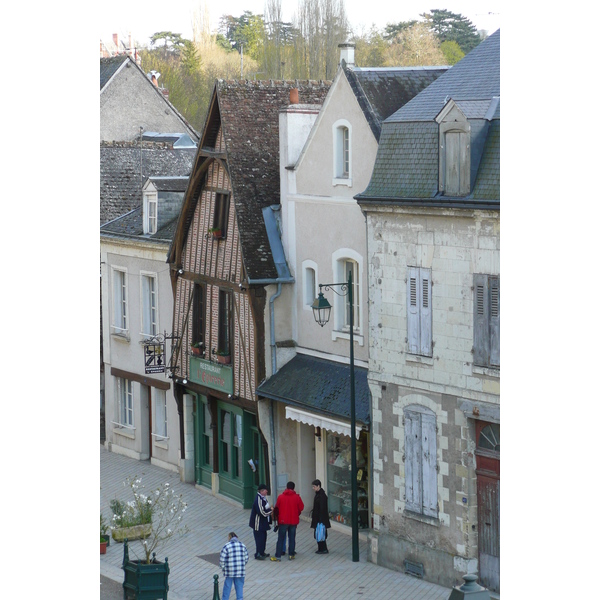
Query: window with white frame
x=341, y=152
x=125, y=397
x=351, y=268
x=486, y=320
x=420, y=460
x=149, y=304
x=346, y=261
x=160, y=414
x=310, y=284
x=150, y=213
x=419, y=314
x=120, y=310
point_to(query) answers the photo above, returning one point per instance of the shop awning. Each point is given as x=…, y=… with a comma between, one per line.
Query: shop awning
x=317, y=388
x=321, y=421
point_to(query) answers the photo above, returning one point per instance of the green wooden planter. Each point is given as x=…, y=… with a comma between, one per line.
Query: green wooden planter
x=145, y=581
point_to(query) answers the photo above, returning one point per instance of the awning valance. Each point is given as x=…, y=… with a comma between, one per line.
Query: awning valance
x=316, y=420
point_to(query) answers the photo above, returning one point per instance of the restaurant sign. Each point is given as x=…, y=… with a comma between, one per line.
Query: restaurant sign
x=211, y=375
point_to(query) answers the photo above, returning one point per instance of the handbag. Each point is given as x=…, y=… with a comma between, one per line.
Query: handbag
x=320, y=532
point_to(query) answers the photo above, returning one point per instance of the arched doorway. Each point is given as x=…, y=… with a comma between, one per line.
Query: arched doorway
x=488, y=503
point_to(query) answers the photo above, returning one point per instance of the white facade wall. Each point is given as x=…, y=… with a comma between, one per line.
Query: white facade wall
x=125, y=352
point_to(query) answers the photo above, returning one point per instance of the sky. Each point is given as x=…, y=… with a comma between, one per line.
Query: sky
x=145, y=17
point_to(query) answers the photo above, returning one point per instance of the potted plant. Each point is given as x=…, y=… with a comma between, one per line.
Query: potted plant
x=223, y=357
x=196, y=348
x=216, y=232
x=145, y=577
x=104, y=537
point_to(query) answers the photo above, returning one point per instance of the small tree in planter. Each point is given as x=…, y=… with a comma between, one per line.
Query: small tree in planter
x=160, y=509
x=147, y=578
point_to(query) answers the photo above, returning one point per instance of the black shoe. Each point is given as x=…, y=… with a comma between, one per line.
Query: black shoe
x=283, y=554
x=259, y=557
x=322, y=552
x=265, y=555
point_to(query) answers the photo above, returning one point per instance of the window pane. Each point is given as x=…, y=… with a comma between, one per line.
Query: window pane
x=224, y=321
x=225, y=440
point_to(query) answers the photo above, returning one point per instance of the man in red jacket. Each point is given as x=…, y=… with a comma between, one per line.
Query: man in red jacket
x=289, y=505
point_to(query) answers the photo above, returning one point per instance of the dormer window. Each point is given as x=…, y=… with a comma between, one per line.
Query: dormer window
x=150, y=212
x=454, y=151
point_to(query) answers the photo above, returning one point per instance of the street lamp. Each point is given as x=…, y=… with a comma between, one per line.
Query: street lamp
x=322, y=311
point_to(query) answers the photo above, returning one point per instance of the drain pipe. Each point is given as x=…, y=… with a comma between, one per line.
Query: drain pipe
x=273, y=371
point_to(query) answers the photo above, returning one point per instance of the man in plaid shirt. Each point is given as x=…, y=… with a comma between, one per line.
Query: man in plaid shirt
x=233, y=559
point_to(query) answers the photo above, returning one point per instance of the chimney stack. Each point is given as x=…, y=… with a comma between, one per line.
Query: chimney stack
x=116, y=40
x=294, y=99
x=347, y=53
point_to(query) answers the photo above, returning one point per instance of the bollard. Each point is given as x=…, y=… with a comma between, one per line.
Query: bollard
x=469, y=590
x=216, y=592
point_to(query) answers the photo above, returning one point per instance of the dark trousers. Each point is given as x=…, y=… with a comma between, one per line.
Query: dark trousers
x=321, y=546
x=260, y=538
x=290, y=530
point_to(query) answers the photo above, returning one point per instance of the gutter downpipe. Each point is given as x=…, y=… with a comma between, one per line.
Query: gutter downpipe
x=272, y=405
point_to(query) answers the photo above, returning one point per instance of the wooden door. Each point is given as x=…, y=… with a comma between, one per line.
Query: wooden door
x=488, y=503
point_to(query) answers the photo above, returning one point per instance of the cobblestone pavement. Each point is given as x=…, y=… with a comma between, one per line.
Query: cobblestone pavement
x=210, y=519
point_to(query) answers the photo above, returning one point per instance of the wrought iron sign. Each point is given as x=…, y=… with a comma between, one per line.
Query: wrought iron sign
x=154, y=358
x=154, y=354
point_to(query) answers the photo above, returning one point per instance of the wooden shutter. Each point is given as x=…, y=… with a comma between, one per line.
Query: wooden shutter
x=481, y=342
x=425, y=316
x=429, y=481
x=418, y=304
x=494, y=287
x=412, y=460
x=413, y=301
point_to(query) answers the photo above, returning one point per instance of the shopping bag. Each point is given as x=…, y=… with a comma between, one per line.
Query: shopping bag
x=320, y=532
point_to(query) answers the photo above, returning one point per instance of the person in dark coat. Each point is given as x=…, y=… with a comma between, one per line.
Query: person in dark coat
x=320, y=514
x=260, y=519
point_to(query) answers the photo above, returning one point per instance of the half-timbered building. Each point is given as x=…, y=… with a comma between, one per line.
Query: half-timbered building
x=227, y=269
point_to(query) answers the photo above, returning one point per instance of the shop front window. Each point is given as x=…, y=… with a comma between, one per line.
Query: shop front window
x=339, y=488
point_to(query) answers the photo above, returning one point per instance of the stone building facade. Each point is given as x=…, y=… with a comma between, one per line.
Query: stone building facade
x=433, y=234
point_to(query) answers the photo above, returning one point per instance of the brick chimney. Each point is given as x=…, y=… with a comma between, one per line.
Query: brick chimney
x=347, y=53
x=294, y=99
x=116, y=40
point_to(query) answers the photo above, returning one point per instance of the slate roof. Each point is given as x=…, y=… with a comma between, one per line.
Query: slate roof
x=131, y=225
x=109, y=66
x=406, y=169
x=120, y=178
x=381, y=91
x=475, y=77
x=248, y=112
x=320, y=385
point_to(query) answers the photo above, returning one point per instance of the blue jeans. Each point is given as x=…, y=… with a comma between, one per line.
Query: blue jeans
x=291, y=533
x=238, y=583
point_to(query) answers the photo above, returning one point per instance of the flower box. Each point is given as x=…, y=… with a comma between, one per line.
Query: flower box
x=137, y=532
x=224, y=359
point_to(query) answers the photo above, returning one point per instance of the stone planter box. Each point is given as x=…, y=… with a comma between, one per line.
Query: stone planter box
x=137, y=532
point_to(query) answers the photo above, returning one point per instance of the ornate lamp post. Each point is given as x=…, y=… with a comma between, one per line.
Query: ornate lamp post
x=322, y=311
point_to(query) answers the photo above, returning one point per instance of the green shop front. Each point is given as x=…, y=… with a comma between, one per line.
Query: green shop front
x=228, y=449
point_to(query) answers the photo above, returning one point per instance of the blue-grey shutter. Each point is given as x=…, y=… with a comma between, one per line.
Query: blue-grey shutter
x=480, y=320
x=413, y=301
x=412, y=460
x=429, y=449
x=494, y=285
x=426, y=314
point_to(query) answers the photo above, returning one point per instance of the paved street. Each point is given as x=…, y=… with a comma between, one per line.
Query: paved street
x=193, y=557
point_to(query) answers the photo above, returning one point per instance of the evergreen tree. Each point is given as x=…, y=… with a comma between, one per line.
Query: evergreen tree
x=449, y=26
